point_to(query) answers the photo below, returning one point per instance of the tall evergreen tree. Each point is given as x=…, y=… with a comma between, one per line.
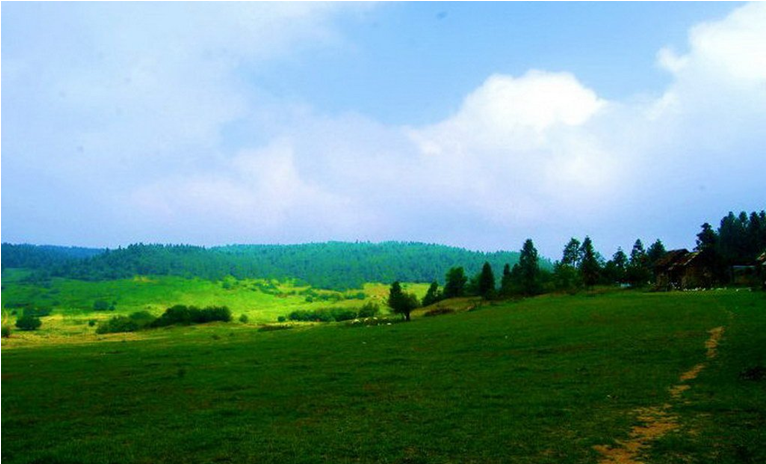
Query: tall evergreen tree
x=486, y=284
x=529, y=269
x=655, y=252
x=589, y=265
x=455, y=285
x=432, y=295
x=707, y=239
x=616, y=269
x=638, y=273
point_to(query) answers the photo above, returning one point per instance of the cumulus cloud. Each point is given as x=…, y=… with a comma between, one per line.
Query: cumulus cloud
x=538, y=155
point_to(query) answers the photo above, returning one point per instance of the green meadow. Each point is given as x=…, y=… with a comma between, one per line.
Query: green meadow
x=551, y=379
x=72, y=301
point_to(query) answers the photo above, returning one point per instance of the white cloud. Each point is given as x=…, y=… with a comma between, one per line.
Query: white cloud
x=538, y=155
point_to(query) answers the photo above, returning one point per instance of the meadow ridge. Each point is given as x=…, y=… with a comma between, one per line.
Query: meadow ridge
x=551, y=379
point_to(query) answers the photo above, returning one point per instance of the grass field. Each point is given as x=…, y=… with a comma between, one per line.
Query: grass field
x=545, y=380
x=262, y=301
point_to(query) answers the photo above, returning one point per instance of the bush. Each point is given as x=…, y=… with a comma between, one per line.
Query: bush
x=180, y=314
x=6, y=331
x=322, y=315
x=369, y=310
x=117, y=324
x=28, y=322
x=243, y=319
x=91, y=323
x=142, y=318
x=38, y=312
x=281, y=319
x=103, y=305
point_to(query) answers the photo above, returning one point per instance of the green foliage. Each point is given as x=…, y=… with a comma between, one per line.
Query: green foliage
x=655, y=252
x=572, y=254
x=400, y=302
x=28, y=322
x=590, y=268
x=486, y=283
x=185, y=315
x=369, y=309
x=6, y=331
x=529, y=270
x=322, y=315
x=433, y=294
x=638, y=273
x=615, y=270
x=103, y=305
x=455, y=283
x=42, y=257
x=243, y=318
x=117, y=324
x=566, y=278
x=332, y=265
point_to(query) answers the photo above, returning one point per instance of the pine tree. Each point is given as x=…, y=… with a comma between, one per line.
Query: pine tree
x=486, y=284
x=529, y=269
x=638, y=268
x=655, y=252
x=616, y=269
x=707, y=239
x=506, y=281
x=432, y=295
x=589, y=265
x=455, y=285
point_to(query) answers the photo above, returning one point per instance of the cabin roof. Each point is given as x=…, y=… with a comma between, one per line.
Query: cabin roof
x=671, y=258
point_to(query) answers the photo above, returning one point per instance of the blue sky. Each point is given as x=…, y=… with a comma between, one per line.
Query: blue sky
x=470, y=124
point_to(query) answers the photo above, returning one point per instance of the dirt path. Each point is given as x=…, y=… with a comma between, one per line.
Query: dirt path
x=656, y=421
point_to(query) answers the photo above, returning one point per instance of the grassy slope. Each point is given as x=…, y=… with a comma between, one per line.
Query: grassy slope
x=73, y=300
x=541, y=381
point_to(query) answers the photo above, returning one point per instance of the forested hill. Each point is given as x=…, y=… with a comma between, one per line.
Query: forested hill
x=42, y=256
x=336, y=265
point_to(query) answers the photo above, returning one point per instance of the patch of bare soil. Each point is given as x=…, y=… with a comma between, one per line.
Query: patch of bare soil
x=656, y=421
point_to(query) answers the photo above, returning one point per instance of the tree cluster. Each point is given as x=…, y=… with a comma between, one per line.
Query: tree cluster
x=331, y=265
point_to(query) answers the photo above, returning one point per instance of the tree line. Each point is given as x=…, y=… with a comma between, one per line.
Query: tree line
x=738, y=240
x=332, y=265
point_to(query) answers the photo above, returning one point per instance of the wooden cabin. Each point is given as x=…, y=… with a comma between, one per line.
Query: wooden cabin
x=681, y=269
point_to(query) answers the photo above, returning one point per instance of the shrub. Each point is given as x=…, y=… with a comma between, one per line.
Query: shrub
x=281, y=319
x=243, y=319
x=322, y=315
x=369, y=310
x=102, y=305
x=180, y=314
x=38, y=312
x=117, y=324
x=271, y=328
x=142, y=318
x=28, y=322
x=91, y=323
x=6, y=331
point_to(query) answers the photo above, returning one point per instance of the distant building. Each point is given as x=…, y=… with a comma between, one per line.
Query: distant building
x=679, y=269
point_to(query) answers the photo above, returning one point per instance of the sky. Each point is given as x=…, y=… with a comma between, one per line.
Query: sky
x=469, y=124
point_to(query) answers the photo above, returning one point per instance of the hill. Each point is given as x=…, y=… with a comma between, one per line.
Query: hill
x=42, y=256
x=331, y=265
